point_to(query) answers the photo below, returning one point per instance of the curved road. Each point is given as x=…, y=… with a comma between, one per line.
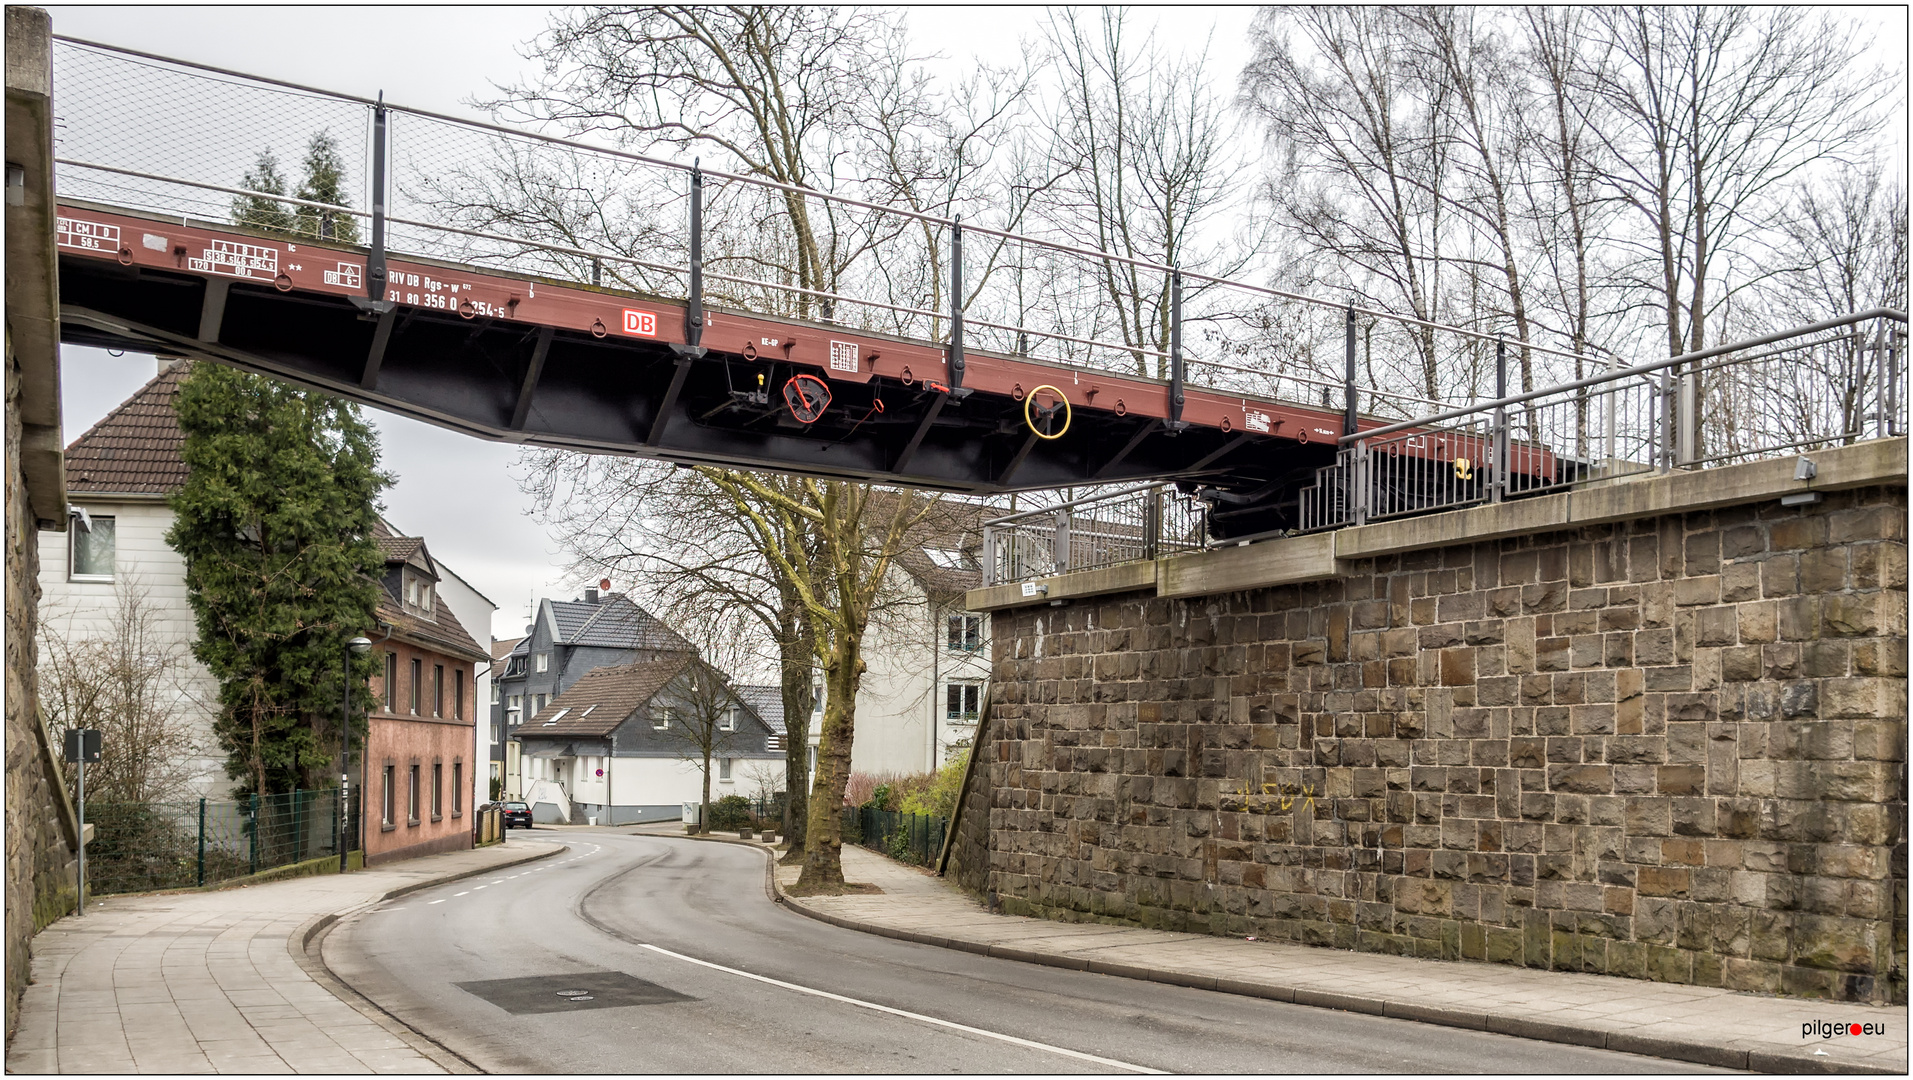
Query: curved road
x=672, y=959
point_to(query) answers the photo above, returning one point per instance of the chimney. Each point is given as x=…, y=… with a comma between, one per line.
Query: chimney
x=591, y=596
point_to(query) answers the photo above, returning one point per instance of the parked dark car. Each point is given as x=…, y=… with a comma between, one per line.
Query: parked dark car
x=517, y=813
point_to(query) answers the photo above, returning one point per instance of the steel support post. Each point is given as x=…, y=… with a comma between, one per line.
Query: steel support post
x=1060, y=541
x=1498, y=480
x=1359, y=466
x=1667, y=421
x=1348, y=375
x=956, y=302
x=1879, y=380
x=1178, y=374
x=991, y=576
x=375, y=260
x=202, y=842
x=694, y=311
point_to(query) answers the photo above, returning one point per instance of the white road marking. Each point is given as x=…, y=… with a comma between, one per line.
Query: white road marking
x=999, y=1036
x=435, y=901
x=467, y=892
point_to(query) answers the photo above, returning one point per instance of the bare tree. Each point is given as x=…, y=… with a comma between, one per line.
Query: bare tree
x=861, y=531
x=1362, y=164
x=1144, y=165
x=1708, y=115
x=129, y=680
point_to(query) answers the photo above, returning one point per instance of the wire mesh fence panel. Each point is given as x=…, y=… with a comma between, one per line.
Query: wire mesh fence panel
x=601, y=208
x=140, y=847
x=910, y=838
x=169, y=121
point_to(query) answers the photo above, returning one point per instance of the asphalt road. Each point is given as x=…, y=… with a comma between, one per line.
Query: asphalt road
x=675, y=961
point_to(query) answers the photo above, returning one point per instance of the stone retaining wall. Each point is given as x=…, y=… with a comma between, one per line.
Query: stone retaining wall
x=1670, y=749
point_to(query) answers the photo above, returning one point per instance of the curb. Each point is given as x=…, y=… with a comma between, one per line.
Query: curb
x=306, y=946
x=1763, y=1061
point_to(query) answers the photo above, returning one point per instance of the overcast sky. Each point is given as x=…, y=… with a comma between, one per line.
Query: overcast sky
x=455, y=490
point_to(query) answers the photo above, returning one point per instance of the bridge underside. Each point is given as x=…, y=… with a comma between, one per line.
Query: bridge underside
x=536, y=371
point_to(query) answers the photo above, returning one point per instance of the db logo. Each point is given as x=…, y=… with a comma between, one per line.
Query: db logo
x=640, y=322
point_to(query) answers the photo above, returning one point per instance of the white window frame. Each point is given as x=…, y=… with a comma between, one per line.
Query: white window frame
x=724, y=770
x=661, y=718
x=729, y=721
x=541, y=662
x=74, y=532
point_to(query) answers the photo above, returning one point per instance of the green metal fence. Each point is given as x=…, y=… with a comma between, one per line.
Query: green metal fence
x=911, y=838
x=139, y=847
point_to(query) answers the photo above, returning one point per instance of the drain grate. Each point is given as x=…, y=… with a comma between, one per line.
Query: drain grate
x=568, y=993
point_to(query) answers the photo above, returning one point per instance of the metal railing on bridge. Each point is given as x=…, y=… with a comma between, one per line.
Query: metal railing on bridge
x=1829, y=383
x=164, y=135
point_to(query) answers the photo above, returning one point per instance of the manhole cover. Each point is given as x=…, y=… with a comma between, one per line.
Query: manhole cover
x=560, y=993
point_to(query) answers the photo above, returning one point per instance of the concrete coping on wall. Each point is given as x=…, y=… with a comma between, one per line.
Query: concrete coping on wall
x=1319, y=556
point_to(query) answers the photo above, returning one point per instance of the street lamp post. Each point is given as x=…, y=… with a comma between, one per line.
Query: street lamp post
x=358, y=646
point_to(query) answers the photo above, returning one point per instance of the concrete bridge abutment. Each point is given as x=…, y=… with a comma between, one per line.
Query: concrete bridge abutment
x=1654, y=729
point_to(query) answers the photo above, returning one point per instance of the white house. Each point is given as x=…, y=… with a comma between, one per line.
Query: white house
x=928, y=659
x=617, y=744
x=119, y=474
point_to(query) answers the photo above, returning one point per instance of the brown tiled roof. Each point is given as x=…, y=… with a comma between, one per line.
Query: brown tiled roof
x=399, y=548
x=134, y=449
x=599, y=702
x=502, y=647
x=442, y=632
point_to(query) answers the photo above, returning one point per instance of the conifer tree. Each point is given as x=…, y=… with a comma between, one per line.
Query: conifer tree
x=275, y=525
x=324, y=183
x=257, y=212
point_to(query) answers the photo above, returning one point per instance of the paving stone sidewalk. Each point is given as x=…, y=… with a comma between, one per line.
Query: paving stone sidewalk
x=1688, y=1023
x=216, y=982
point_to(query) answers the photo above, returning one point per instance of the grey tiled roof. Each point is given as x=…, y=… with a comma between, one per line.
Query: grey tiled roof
x=767, y=702
x=614, y=622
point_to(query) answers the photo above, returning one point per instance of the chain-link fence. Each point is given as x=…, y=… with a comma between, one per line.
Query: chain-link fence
x=139, y=847
x=911, y=838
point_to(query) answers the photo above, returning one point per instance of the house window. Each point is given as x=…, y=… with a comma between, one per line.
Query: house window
x=516, y=709
x=961, y=700
x=411, y=796
x=438, y=790
x=724, y=770
x=391, y=681
x=390, y=800
x=458, y=789
x=494, y=691
x=542, y=662
x=661, y=719
x=92, y=549
x=729, y=720
x=438, y=689
x=539, y=703
x=458, y=694
x=411, y=589
x=514, y=666
x=418, y=676
x=965, y=632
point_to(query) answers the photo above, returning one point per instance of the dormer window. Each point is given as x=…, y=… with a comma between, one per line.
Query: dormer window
x=418, y=593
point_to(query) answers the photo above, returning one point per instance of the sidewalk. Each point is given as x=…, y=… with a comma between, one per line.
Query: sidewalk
x=1685, y=1023
x=205, y=982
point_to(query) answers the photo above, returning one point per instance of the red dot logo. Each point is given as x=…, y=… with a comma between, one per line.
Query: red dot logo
x=1853, y=1029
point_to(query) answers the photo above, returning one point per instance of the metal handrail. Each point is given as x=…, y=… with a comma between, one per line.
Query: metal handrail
x=1629, y=372
x=915, y=215
x=1072, y=504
